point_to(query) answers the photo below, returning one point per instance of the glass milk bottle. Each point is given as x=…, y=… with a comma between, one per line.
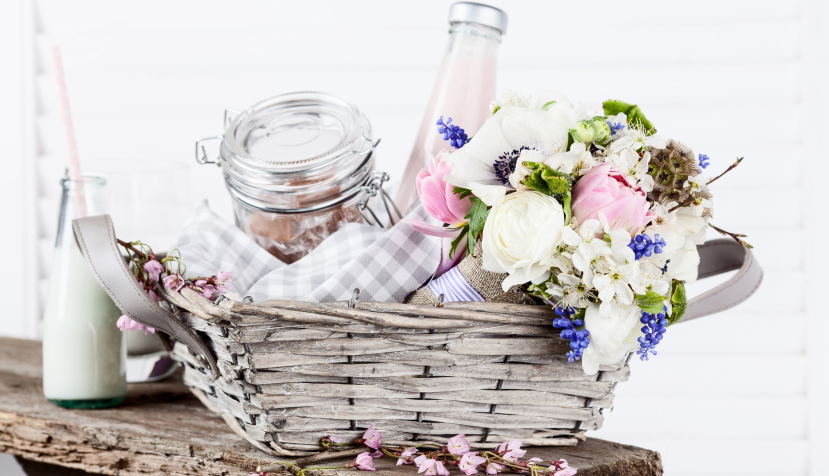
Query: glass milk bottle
x=83, y=351
x=464, y=89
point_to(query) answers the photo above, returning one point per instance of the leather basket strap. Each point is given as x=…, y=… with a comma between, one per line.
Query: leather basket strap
x=721, y=256
x=95, y=237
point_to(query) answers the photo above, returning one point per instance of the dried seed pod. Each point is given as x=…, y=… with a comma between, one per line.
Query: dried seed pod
x=670, y=168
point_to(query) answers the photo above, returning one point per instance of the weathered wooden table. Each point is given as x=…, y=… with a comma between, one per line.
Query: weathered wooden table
x=162, y=429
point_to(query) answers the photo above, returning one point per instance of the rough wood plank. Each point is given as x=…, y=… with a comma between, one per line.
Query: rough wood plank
x=163, y=429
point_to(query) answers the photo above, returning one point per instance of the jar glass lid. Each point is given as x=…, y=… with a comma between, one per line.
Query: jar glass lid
x=295, y=132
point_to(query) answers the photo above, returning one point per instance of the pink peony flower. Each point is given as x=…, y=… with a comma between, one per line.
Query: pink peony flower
x=457, y=445
x=406, y=456
x=173, y=282
x=469, y=463
x=436, y=195
x=125, y=323
x=603, y=191
x=372, y=438
x=511, y=450
x=364, y=462
x=153, y=269
x=494, y=468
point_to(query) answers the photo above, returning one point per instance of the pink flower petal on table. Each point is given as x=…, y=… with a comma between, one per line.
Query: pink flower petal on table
x=406, y=456
x=469, y=463
x=364, y=462
x=457, y=445
x=493, y=468
x=372, y=438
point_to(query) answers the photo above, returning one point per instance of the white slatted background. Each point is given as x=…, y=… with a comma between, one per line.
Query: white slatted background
x=730, y=394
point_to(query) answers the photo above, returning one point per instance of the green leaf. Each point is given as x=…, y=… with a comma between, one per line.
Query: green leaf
x=461, y=192
x=650, y=302
x=475, y=220
x=549, y=181
x=679, y=301
x=636, y=117
x=547, y=105
x=457, y=241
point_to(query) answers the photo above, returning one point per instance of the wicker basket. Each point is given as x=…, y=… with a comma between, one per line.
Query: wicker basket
x=293, y=372
x=289, y=373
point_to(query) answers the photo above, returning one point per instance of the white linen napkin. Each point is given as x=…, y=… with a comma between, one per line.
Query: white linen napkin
x=385, y=264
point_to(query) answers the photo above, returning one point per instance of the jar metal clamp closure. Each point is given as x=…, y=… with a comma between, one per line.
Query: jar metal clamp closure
x=385, y=216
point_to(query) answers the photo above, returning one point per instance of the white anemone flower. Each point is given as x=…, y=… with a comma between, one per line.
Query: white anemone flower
x=540, y=125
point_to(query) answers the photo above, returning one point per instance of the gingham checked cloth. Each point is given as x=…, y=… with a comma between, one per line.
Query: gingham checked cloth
x=385, y=264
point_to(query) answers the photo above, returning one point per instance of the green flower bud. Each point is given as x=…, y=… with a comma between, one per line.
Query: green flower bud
x=594, y=130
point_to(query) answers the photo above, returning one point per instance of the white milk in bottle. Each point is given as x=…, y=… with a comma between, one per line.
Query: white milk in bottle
x=84, y=353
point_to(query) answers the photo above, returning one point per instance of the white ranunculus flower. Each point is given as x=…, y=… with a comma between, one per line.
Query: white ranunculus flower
x=521, y=235
x=540, y=125
x=613, y=333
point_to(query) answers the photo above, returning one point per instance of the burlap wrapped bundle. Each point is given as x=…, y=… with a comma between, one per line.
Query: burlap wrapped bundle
x=468, y=281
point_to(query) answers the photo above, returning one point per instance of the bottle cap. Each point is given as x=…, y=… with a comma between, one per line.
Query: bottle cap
x=480, y=13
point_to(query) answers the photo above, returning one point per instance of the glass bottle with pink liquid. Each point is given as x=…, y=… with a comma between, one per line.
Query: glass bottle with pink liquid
x=464, y=88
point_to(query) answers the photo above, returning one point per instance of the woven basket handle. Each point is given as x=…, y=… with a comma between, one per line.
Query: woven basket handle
x=717, y=257
x=95, y=237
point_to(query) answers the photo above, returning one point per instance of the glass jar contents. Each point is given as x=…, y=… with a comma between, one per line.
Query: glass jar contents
x=298, y=167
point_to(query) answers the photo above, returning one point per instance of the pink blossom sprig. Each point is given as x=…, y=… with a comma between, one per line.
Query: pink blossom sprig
x=151, y=270
x=507, y=457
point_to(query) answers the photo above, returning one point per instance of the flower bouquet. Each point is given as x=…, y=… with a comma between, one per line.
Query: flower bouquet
x=590, y=212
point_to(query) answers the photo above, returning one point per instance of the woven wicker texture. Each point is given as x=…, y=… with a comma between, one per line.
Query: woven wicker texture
x=294, y=372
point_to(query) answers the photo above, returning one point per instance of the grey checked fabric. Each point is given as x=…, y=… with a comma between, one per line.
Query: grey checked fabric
x=386, y=265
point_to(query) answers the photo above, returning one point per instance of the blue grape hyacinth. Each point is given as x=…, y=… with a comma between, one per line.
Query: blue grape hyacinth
x=615, y=127
x=653, y=330
x=642, y=245
x=573, y=331
x=703, y=161
x=452, y=132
